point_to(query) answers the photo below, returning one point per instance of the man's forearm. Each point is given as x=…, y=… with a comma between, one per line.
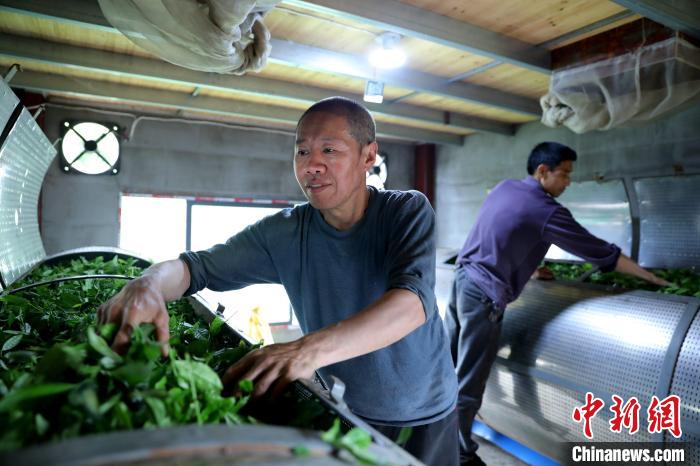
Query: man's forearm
x=393, y=316
x=171, y=278
x=630, y=267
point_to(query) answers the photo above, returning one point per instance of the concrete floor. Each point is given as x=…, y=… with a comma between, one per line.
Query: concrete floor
x=492, y=455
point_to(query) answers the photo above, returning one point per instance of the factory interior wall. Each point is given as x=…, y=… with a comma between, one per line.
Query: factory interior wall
x=465, y=174
x=177, y=158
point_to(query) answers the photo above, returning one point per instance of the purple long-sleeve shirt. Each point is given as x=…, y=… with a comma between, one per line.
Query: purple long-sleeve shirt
x=515, y=227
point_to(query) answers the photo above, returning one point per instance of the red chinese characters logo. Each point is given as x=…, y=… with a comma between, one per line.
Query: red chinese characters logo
x=587, y=412
x=661, y=414
x=665, y=415
x=626, y=416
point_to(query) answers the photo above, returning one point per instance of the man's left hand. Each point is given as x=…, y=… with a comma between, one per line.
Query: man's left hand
x=543, y=273
x=271, y=368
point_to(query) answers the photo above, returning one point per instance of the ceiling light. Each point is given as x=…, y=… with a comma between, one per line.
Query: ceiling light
x=374, y=92
x=388, y=54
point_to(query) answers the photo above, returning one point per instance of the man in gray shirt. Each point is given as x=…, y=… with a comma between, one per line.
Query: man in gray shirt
x=358, y=265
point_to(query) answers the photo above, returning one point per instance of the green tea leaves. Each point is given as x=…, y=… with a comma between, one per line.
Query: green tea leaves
x=98, y=344
x=355, y=441
x=61, y=379
x=216, y=325
x=11, y=342
x=683, y=281
x=203, y=377
x=15, y=397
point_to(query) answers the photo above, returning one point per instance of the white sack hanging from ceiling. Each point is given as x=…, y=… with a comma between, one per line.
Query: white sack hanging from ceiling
x=638, y=86
x=223, y=36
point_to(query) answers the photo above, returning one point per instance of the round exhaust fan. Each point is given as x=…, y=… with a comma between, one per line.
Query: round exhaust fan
x=376, y=176
x=90, y=148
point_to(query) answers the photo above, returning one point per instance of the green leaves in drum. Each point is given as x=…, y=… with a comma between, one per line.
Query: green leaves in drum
x=14, y=398
x=195, y=373
x=11, y=342
x=59, y=377
x=100, y=346
x=566, y=271
x=356, y=441
x=683, y=281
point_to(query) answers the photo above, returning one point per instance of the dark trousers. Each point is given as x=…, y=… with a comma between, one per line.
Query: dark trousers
x=435, y=444
x=473, y=325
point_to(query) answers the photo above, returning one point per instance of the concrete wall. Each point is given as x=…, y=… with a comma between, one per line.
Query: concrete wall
x=175, y=158
x=464, y=174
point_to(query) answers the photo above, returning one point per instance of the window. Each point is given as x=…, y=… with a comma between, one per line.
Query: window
x=160, y=228
x=90, y=148
x=215, y=223
x=153, y=227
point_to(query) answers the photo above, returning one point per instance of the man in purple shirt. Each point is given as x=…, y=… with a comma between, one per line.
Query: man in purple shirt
x=516, y=225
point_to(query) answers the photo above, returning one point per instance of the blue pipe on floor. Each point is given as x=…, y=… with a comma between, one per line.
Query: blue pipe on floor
x=513, y=447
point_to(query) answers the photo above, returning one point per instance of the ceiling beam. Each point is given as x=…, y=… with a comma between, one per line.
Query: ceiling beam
x=53, y=83
x=85, y=12
x=28, y=50
x=680, y=15
x=554, y=42
x=293, y=54
x=408, y=20
x=76, y=12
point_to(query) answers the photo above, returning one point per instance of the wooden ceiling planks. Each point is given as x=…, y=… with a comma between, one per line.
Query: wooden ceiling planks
x=46, y=29
x=439, y=60
x=310, y=30
x=529, y=21
x=449, y=105
x=289, y=9
x=595, y=32
x=513, y=79
x=346, y=36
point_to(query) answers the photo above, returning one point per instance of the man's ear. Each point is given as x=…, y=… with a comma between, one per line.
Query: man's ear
x=370, y=154
x=541, y=170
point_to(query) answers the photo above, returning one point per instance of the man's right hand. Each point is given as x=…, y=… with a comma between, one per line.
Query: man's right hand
x=139, y=302
x=658, y=280
x=628, y=266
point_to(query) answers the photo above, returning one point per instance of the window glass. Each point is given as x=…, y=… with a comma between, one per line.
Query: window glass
x=214, y=224
x=153, y=227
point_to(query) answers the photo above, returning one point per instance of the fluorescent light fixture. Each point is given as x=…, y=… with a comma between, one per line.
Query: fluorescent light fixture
x=388, y=55
x=374, y=92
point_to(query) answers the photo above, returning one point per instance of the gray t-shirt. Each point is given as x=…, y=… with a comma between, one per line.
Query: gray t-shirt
x=331, y=275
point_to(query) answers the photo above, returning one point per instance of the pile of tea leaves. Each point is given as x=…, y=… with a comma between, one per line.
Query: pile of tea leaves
x=59, y=377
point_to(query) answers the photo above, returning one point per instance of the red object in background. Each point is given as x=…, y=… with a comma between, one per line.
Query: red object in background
x=424, y=178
